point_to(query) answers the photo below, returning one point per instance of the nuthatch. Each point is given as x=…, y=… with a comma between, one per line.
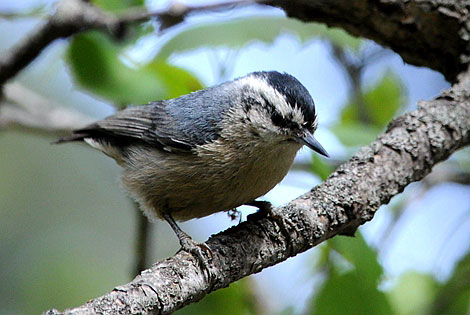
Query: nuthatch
x=209, y=151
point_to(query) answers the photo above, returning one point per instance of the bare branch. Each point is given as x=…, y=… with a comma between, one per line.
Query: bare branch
x=34, y=12
x=408, y=27
x=74, y=16
x=178, y=11
x=142, y=242
x=26, y=110
x=406, y=152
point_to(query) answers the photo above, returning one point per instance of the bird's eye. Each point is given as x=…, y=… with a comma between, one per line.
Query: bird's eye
x=278, y=120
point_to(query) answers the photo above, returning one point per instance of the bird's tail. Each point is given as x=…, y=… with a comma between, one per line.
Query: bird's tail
x=72, y=138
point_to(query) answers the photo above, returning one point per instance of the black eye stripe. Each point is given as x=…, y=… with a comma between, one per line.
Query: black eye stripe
x=277, y=118
x=283, y=122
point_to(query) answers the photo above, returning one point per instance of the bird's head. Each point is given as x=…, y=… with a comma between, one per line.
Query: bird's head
x=277, y=106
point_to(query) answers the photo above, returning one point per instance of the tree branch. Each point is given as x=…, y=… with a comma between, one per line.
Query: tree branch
x=75, y=16
x=430, y=33
x=26, y=110
x=406, y=152
x=408, y=27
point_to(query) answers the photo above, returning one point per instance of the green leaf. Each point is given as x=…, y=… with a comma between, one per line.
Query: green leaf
x=354, y=133
x=117, y=5
x=238, y=299
x=238, y=33
x=177, y=80
x=351, y=291
x=361, y=122
x=384, y=101
x=454, y=296
x=348, y=293
x=96, y=65
x=413, y=294
x=320, y=167
x=380, y=103
x=360, y=255
x=133, y=32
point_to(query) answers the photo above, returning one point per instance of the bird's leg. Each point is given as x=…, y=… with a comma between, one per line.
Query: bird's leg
x=189, y=245
x=265, y=208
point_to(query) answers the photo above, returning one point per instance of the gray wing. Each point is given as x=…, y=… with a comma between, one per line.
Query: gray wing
x=147, y=123
x=176, y=125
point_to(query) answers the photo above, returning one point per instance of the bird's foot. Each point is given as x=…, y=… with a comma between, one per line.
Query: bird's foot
x=201, y=251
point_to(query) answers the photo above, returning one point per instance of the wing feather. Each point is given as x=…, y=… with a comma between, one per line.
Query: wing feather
x=177, y=125
x=148, y=123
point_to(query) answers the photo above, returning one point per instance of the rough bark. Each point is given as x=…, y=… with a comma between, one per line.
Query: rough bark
x=406, y=152
x=429, y=33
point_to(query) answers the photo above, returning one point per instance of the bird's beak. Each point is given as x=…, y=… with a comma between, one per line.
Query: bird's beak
x=312, y=143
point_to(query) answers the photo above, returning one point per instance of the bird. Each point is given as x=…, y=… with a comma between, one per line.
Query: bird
x=208, y=151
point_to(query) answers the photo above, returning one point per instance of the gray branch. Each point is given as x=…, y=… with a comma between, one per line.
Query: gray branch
x=406, y=152
x=408, y=27
x=25, y=110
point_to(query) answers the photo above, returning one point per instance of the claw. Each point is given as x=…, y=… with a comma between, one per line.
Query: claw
x=192, y=247
x=200, y=250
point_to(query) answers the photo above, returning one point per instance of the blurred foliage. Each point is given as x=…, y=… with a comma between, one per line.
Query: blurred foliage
x=423, y=287
x=453, y=297
x=378, y=104
x=238, y=33
x=357, y=253
x=366, y=115
x=133, y=32
x=353, y=276
x=238, y=299
x=355, y=134
x=320, y=167
x=58, y=224
x=352, y=271
x=417, y=293
x=96, y=64
x=350, y=288
x=117, y=5
x=463, y=159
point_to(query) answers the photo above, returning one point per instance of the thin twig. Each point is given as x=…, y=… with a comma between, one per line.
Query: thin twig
x=142, y=244
x=26, y=110
x=75, y=16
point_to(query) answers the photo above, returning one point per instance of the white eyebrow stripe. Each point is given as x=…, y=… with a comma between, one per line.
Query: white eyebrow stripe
x=262, y=88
